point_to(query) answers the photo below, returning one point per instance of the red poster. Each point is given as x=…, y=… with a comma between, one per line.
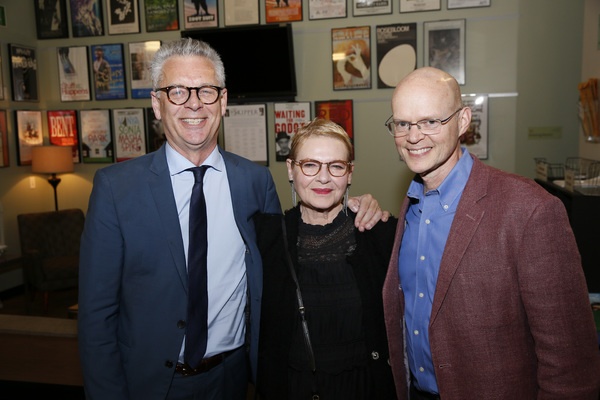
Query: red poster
x=62, y=130
x=283, y=10
x=338, y=111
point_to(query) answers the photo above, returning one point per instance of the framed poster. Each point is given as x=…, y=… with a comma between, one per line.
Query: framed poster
x=283, y=10
x=29, y=134
x=371, y=7
x=51, y=19
x=4, y=161
x=96, y=138
x=289, y=117
x=62, y=130
x=452, y=4
x=154, y=130
x=444, y=44
x=23, y=72
x=351, y=58
x=396, y=53
x=129, y=132
x=476, y=137
x=86, y=18
x=241, y=12
x=140, y=56
x=420, y=5
x=245, y=131
x=201, y=14
x=340, y=112
x=123, y=16
x=109, y=71
x=2, y=17
x=325, y=9
x=161, y=15
x=73, y=73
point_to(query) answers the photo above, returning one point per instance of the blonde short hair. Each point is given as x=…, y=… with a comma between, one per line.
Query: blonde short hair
x=320, y=127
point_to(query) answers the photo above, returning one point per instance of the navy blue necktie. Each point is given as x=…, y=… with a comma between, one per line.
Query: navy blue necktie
x=196, y=331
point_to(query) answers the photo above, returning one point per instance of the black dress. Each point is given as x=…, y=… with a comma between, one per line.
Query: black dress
x=334, y=315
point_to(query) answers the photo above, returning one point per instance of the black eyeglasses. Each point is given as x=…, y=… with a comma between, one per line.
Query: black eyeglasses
x=336, y=168
x=178, y=95
x=429, y=126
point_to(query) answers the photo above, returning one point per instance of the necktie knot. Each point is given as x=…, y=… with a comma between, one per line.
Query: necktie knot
x=198, y=172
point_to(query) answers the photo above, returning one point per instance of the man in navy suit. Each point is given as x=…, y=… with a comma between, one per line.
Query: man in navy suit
x=133, y=294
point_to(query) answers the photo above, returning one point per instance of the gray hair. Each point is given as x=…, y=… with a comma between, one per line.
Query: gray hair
x=185, y=47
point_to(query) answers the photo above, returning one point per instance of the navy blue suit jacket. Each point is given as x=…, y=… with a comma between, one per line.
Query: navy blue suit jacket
x=133, y=280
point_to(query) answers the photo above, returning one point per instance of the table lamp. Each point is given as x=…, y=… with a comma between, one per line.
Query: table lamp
x=52, y=160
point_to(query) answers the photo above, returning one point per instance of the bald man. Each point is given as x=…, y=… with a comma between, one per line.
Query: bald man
x=485, y=297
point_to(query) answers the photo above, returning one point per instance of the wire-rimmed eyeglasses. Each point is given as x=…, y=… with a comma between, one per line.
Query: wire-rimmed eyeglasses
x=337, y=168
x=429, y=126
x=178, y=95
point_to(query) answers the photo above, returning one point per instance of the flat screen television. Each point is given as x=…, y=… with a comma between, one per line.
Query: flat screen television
x=258, y=59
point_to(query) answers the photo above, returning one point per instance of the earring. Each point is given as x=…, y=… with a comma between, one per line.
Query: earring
x=345, y=202
x=293, y=194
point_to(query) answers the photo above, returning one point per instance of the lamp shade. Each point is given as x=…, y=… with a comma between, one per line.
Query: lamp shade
x=51, y=159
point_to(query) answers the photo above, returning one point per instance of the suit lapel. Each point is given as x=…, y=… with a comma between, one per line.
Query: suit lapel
x=162, y=192
x=237, y=187
x=467, y=219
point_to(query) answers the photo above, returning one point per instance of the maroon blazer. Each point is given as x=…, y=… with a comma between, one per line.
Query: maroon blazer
x=511, y=317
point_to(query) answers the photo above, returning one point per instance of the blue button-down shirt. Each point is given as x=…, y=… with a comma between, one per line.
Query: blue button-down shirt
x=428, y=221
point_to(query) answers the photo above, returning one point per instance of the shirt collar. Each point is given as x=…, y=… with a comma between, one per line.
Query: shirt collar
x=452, y=187
x=178, y=163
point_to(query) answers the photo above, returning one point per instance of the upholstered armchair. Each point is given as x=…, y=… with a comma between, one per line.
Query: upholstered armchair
x=50, y=251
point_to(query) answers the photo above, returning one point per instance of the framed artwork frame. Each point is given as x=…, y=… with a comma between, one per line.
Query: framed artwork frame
x=327, y=9
x=87, y=18
x=154, y=130
x=109, y=72
x=241, y=12
x=339, y=111
x=444, y=47
x=351, y=57
x=396, y=53
x=454, y=4
x=123, y=16
x=4, y=158
x=51, y=19
x=369, y=7
x=277, y=11
x=245, y=131
x=73, y=73
x=29, y=134
x=96, y=136
x=2, y=17
x=196, y=16
x=289, y=117
x=476, y=137
x=62, y=130
x=161, y=15
x=129, y=133
x=23, y=72
x=407, y=6
x=140, y=56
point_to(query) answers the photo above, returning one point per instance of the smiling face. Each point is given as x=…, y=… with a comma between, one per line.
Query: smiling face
x=321, y=194
x=193, y=127
x=426, y=94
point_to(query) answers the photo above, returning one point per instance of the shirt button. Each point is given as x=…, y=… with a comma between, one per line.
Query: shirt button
x=422, y=258
x=427, y=221
x=445, y=206
x=421, y=369
x=416, y=332
x=421, y=295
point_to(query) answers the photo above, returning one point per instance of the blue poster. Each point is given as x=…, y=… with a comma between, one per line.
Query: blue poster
x=109, y=72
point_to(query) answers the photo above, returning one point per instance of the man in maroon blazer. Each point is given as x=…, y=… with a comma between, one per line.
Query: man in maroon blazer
x=485, y=297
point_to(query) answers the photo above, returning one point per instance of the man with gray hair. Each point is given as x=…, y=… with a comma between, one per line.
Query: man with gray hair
x=170, y=274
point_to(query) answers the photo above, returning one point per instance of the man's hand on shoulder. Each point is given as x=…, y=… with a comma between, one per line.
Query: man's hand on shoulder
x=368, y=212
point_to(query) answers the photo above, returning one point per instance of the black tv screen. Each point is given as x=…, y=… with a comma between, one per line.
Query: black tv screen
x=259, y=60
